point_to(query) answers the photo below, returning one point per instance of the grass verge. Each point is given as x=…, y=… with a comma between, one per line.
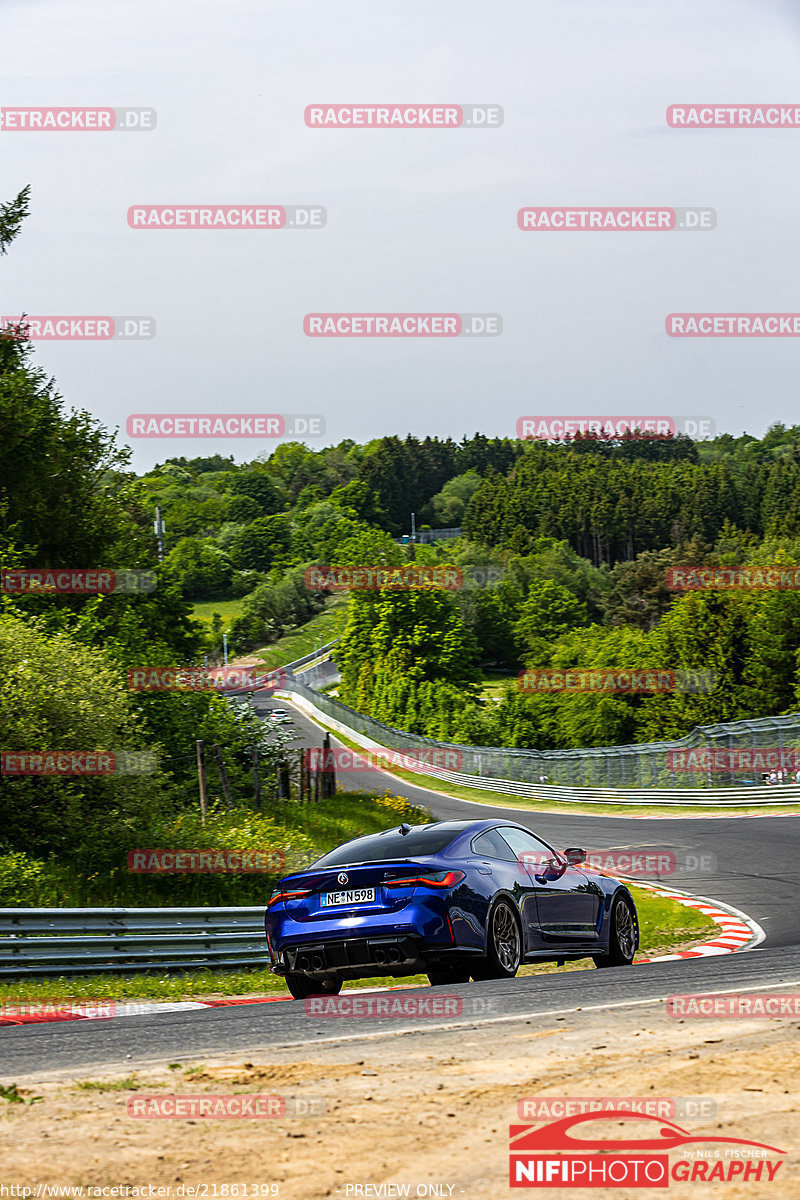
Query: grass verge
x=322, y=628
x=229, y=610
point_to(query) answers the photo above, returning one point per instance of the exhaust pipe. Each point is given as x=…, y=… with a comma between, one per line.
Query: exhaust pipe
x=394, y=955
x=316, y=962
x=302, y=963
x=380, y=956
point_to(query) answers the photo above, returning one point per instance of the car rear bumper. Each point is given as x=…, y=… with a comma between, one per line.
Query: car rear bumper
x=378, y=955
x=361, y=957
x=391, y=943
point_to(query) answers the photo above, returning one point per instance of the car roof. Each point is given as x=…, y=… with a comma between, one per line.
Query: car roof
x=460, y=827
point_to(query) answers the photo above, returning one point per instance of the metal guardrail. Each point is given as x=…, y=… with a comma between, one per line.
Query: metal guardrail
x=63, y=941
x=645, y=765
x=415, y=756
x=291, y=667
x=729, y=797
x=287, y=671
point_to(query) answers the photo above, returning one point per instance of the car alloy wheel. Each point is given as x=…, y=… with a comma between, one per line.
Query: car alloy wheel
x=625, y=931
x=504, y=949
x=622, y=939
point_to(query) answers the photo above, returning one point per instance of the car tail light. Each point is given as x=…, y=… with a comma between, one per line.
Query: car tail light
x=436, y=879
x=278, y=895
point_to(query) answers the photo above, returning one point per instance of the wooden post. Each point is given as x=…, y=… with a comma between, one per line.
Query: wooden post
x=329, y=767
x=256, y=780
x=201, y=779
x=223, y=774
x=301, y=775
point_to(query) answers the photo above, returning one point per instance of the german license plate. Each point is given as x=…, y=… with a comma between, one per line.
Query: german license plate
x=354, y=896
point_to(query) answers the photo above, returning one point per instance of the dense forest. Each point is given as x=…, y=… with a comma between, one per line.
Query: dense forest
x=613, y=501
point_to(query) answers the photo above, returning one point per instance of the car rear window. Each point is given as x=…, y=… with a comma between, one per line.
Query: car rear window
x=422, y=839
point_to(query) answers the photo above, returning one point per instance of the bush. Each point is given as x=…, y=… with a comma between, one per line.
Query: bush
x=297, y=833
x=26, y=883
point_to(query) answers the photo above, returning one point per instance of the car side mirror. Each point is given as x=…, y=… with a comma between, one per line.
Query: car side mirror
x=574, y=855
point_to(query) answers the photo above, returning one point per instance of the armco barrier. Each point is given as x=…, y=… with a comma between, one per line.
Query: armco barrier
x=62, y=941
x=321, y=652
x=521, y=765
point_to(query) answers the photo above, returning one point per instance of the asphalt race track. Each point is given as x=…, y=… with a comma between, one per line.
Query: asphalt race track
x=753, y=867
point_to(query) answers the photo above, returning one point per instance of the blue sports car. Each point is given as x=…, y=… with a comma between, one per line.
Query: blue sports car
x=455, y=900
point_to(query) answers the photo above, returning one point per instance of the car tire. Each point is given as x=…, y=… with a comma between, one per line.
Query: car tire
x=623, y=939
x=503, y=944
x=302, y=986
x=442, y=976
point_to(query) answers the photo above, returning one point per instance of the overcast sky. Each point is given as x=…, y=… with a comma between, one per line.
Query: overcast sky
x=418, y=220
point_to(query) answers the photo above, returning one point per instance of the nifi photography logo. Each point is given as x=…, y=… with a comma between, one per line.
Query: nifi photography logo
x=651, y=1152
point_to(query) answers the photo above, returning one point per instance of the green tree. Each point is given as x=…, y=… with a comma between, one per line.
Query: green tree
x=199, y=568
x=12, y=214
x=448, y=506
x=262, y=542
x=59, y=695
x=548, y=611
x=61, y=481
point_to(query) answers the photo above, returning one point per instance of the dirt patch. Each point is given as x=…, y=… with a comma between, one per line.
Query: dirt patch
x=420, y=1110
x=284, y=1074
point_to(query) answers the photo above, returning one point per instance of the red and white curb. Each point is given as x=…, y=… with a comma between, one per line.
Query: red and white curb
x=731, y=816
x=46, y=1012
x=737, y=931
